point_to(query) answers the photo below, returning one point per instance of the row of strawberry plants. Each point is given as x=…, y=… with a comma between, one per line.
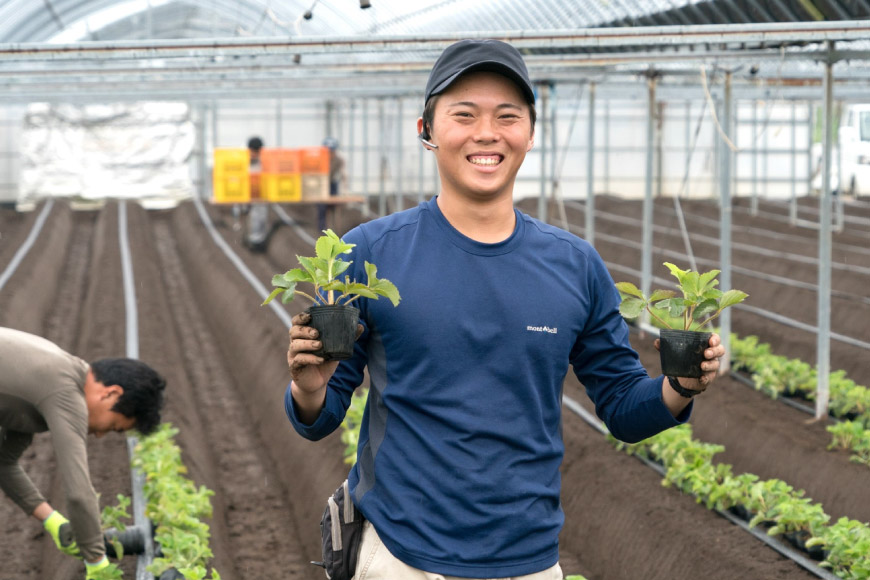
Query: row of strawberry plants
x=773, y=504
x=175, y=507
x=776, y=375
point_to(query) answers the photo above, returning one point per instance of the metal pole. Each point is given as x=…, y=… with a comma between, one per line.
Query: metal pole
x=810, y=133
x=823, y=347
x=554, y=139
x=365, y=149
x=842, y=184
x=688, y=141
x=382, y=169
x=201, y=164
x=590, y=169
x=660, y=121
x=279, y=132
x=754, y=199
x=725, y=225
x=330, y=111
x=542, y=127
x=350, y=151
x=607, y=146
x=646, y=252
x=792, y=207
x=765, y=177
x=400, y=202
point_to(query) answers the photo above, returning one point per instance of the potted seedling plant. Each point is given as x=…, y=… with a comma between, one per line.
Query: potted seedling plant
x=681, y=339
x=332, y=313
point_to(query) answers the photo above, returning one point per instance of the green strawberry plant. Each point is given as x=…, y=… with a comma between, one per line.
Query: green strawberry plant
x=323, y=272
x=701, y=302
x=113, y=517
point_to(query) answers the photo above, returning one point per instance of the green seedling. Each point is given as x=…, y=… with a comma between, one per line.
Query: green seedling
x=701, y=302
x=112, y=517
x=323, y=271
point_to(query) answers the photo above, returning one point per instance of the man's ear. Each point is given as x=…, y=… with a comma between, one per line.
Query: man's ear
x=531, y=143
x=113, y=391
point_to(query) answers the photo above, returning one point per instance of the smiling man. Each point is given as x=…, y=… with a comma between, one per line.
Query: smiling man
x=457, y=471
x=44, y=388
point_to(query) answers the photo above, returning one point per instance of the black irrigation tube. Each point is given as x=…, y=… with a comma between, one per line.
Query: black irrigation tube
x=781, y=547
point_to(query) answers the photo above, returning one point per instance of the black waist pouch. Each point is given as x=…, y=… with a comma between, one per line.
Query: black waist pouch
x=341, y=530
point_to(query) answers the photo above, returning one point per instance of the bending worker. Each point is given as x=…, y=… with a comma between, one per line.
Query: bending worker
x=43, y=388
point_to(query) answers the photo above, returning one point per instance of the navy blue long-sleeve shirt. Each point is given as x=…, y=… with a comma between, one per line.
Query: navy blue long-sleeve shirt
x=460, y=446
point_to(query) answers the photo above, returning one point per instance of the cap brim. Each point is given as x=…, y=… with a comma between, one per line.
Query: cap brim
x=490, y=66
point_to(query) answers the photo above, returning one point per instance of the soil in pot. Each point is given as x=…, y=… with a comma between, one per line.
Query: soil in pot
x=682, y=352
x=336, y=324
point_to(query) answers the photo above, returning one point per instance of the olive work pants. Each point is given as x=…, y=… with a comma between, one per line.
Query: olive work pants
x=377, y=563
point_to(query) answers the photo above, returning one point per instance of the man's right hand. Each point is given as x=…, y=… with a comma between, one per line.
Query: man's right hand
x=309, y=372
x=61, y=532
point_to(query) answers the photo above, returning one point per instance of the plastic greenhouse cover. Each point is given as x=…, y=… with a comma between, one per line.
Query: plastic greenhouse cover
x=121, y=151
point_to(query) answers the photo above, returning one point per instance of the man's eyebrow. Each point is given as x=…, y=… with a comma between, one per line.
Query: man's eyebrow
x=507, y=105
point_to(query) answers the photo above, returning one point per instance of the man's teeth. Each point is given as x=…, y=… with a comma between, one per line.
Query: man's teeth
x=484, y=160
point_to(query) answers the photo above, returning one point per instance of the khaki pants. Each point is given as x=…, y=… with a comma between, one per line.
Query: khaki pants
x=377, y=563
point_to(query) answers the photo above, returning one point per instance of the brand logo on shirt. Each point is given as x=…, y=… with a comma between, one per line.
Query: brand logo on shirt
x=542, y=329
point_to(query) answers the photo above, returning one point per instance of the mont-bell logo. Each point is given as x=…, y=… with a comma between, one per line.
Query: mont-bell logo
x=542, y=329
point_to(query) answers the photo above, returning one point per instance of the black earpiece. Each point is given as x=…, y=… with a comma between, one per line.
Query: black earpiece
x=423, y=137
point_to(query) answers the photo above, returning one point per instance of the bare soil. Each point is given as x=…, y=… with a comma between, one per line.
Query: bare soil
x=224, y=357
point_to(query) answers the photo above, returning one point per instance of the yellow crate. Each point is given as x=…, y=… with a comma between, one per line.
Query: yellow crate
x=231, y=182
x=281, y=187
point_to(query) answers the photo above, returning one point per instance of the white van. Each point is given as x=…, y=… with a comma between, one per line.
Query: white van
x=854, y=142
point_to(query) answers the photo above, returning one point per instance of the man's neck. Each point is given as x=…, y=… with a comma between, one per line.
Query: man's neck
x=488, y=222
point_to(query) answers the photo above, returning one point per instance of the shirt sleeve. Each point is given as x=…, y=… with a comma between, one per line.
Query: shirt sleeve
x=13, y=480
x=66, y=415
x=626, y=398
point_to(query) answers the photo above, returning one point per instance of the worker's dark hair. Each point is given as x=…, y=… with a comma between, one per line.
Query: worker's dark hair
x=429, y=115
x=255, y=143
x=143, y=390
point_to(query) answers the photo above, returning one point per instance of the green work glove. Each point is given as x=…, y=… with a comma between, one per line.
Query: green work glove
x=92, y=571
x=61, y=532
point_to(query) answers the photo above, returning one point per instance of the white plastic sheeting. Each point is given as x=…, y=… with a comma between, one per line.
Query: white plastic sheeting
x=137, y=151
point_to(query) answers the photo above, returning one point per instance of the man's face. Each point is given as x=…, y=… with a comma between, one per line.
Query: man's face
x=482, y=127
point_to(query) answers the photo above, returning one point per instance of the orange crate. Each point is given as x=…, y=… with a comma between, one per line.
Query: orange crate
x=280, y=160
x=314, y=160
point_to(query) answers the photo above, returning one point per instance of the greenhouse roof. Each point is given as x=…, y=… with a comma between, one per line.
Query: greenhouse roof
x=209, y=49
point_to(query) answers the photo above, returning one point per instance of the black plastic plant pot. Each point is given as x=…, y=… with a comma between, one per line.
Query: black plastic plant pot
x=132, y=539
x=682, y=352
x=336, y=324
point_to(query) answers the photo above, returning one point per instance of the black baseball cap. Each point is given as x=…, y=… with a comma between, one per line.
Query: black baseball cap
x=478, y=55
